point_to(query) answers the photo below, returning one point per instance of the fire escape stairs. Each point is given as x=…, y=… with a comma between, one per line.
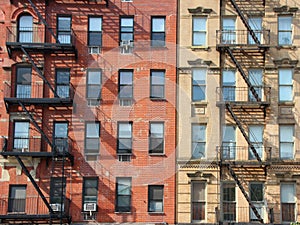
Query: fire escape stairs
x=235, y=177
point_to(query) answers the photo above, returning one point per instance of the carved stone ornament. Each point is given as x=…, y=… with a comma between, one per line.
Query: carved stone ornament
x=200, y=10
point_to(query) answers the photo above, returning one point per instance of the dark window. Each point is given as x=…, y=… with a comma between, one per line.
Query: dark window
x=63, y=83
x=25, y=29
x=158, y=31
x=57, y=190
x=61, y=137
x=126, y=28
x=198, y=201
x=229, y=204
x=157, y=84
x=156, y=140
x=64, y=29
x=155, y=198
x=23, y=89
x=21, y=136
x=93, y=93
x=257, y=198
x=90, y=190
x=123, y=194
x=95, y=31
x=124, y=138
x=126, y=84
x=92, y=138
x=17, y=198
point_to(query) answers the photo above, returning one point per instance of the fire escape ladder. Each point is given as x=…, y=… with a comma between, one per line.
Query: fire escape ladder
x=40, y=73
x=242, y=72
x=43, y=21
x=244, y=20
x=233, y=174
x=36, y=125
x=243, y=132
x=34, y=183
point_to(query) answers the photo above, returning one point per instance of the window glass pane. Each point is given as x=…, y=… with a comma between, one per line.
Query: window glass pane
x=285, y=23
x=198, y=192
x=256, y=192
x=256, y=133
x=255, y=23
x=286, y=133
x=287, y=193
x=228, y=134
x=126, y=77
x=158, y=25
x=157, y=77
x=199, y=132
x=64, y=23
x=61, y=130
x=25, y=23
x=94, y=77
x=23, y=75
x=127, y=22
x=228, y=78
x=62, y=77
x=157, y=130
x=199, y=76
x=95, y=24
x=125, y=130
x=228, y=23
x=199, y=38
x=92, y=130
x=199, y=24
x=124, y=186
x=255, y=77
x=228, y=192
x=285, y=76
x=22, y=129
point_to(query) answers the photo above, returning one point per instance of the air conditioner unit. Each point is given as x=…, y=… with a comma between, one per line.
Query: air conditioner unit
x=126, y=46
x=56, y=207
x=94, y=49
x=127, y=0
x=91, y=207
x=125, y=102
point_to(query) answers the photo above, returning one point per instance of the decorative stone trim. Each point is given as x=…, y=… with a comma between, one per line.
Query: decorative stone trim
x=199, y=62
x=285, y=9
x=200, y=10
x=285, y=62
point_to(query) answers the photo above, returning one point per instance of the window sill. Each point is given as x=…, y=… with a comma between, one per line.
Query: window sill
x=156, y=213
x=286, y=103
x=123, y=212
x=157, y=154
x=158, y=99
x=292, y=47
x=204, y=48
x=200, y=103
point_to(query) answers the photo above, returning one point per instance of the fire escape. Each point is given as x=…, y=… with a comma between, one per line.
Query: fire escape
x=33, y=45
x=247, y=105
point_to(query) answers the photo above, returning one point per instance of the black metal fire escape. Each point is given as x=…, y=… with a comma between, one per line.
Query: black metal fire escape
x=28, y=49
x=228, y=49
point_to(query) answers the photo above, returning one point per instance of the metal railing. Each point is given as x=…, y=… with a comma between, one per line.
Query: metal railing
x=244, y=153
x=35, y=35
x=243, y=94
x=242, y=37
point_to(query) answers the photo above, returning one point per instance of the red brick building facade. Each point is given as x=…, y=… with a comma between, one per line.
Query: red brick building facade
x=88, y=107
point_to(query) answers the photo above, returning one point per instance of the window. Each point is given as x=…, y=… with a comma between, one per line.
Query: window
x=63, y=83
x=124, y=138
x=90, y=190
x=17, y=198
x=285, y=85
x=229, y=204
x=157, y=84
x=57, y=190
x=64, y=29
x=95, y=34
x=228, y=85
x=61, y=137
x=25, y=29
x=92, y=140
x=126, y=87
x=93, y=93
x=199, y=84
x=257, y=199
x=199, y=31
x=158, y=31
x=198, y=201
x=198, y=141
x=156, y=198
x=123, y=198
x=23, y=89
x=126, y=28
x=256, y=138
x=284, y=30
x=256, y=25
x=255, y=78
x=156, y=140
x=228, y=32
x=288, y=202
x=229, y=142
x=21, y=136
x=286, y=138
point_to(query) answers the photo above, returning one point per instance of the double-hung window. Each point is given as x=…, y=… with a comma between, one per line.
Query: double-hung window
x=123, y=194
x=63, y=83
x=90, y=190
x=286, y=138
x=229, y=142
x=285, y=30
x=156, y=140
x=155, y=198
x=157, y=90
x=228, y=31
x=25, y=29
x=125, y=87
x=228, y=80
x=92, y=140
x=21, y=136
x=158, y=31
x=257, y=198
x=57, y=192
x=23, y=88
x=285, y=85
x=95, y=35
x=229, y=202
x=17, y=199
x=256, y=80
x=64, y=29
x=288, y=202
x=256, y=25
x=198, y=141
x=199, y=31
x=198, y=201
x=256, y=138
x=199, y=84
x=126, y=29
x=124, y=138
x=93, y=92
x=61, y=137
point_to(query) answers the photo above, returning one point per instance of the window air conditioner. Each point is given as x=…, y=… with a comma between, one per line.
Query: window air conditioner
x=56, y=207
x=91, y=207
x=126, y=46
